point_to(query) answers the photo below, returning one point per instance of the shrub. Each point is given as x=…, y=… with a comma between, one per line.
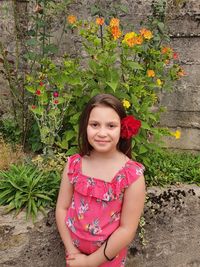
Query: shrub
x=25, y=187
x=173, y=167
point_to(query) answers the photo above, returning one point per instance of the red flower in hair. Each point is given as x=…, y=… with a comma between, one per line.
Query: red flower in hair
x=129, y=127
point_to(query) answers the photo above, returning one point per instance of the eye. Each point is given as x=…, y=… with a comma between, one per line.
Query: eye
x=93, y=124
x=111, y=125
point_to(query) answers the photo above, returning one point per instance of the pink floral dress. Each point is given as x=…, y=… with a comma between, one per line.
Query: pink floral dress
x=94, y=213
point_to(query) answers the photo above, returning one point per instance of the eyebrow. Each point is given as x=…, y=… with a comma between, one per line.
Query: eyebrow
x=106, y=122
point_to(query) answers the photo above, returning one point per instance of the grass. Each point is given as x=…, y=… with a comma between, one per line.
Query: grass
x=9, y=154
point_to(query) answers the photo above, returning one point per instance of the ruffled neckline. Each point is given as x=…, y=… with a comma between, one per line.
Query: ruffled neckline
x=99, y=179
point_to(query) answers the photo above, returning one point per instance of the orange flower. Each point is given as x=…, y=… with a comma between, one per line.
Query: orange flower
x=129, y=39
x=166, y=50
x=71, y=19
x=151, y=73
x=146, y=33
x=116, y=33
x=132, y=39
x=114, y=22
x=139, y=40
x=100, y=21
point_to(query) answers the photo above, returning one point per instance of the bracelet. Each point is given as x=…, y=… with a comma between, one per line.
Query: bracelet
x=104, y=251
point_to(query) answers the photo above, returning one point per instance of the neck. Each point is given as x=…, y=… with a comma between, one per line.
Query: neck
x=106, y=155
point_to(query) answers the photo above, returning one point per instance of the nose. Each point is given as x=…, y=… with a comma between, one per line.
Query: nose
x=102, y=132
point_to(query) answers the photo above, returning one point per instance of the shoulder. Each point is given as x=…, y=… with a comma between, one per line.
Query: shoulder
x=135, y=167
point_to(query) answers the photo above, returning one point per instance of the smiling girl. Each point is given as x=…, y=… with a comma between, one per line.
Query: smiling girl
x=102, y=192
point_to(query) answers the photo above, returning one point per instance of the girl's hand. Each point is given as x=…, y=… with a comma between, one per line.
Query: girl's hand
x=78, y=260
x=73, y=250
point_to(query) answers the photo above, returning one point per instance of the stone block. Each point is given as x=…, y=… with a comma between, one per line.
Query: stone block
x=172, y=234
x=190, y=140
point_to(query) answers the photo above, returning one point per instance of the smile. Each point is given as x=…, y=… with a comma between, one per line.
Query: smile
x=101, y=141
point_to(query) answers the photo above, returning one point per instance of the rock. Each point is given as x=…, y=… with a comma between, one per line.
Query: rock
x=172, y=234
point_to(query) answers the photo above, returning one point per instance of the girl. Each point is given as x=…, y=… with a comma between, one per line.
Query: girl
x=102, y=192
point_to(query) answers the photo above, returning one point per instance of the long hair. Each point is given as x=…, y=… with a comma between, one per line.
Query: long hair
x=108, y=100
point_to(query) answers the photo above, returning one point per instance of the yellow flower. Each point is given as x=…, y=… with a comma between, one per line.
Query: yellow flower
x=116, y=33
x=126, y=103
x=114, y=22
x=129, y=39
x=159, y=82
x=100, y=21
x=146, y=33
x=150, y=73
x=176, y=134
x=71, y=19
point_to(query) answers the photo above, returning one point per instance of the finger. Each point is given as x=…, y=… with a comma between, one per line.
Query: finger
x=70, y=257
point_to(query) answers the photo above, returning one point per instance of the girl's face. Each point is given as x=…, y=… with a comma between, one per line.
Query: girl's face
x=103, y=129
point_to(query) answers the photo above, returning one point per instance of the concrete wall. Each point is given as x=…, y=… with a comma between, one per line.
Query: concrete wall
x=172, y=234
x=183, y=104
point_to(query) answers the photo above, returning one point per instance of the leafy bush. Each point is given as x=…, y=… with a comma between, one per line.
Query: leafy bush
x=26, y=187
x=133, y=66
x=173, y=167
x=55, y=162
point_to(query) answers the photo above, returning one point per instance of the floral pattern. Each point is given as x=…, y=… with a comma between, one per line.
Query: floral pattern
x=96, y=206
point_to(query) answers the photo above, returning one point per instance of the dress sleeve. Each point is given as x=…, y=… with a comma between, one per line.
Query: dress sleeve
x=73, y=168
x=133, y=172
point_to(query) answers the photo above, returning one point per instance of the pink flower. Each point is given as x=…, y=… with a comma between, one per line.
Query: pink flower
x=55, y=94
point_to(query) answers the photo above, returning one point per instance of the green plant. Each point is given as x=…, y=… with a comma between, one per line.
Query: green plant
x=33, y=25
x=48, y=163
x=173, y=167
x=26, y=187
x=53, y=87
x=10, y=130
x=134, y=66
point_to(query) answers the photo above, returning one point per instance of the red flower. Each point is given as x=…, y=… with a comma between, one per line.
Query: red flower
x=33, y=107
x=55, y=102
x=129, y=127
x=55, y=94
x=38, y=92
x=175, y=56
x=41, y=83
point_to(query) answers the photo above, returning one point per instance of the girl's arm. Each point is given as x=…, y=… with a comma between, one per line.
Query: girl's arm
x=132, y=209
x=63, y=203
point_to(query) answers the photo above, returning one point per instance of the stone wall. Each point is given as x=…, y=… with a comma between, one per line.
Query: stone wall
x=183, y=104
x=172, y=234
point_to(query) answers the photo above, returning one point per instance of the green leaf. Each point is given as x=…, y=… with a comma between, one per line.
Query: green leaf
x=39, y=195
x=37, y=110
x=145, y=125
x=71, y=151
x=30, y=88
x=142, y=149
x=50, y=48
x=134, y=65
x=32, y=42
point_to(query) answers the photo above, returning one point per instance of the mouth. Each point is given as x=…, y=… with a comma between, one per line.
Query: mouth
x=102, y=141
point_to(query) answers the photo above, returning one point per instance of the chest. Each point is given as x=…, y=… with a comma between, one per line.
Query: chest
x=105, y=172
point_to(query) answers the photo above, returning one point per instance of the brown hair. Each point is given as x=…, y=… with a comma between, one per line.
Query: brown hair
x=124, y=145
